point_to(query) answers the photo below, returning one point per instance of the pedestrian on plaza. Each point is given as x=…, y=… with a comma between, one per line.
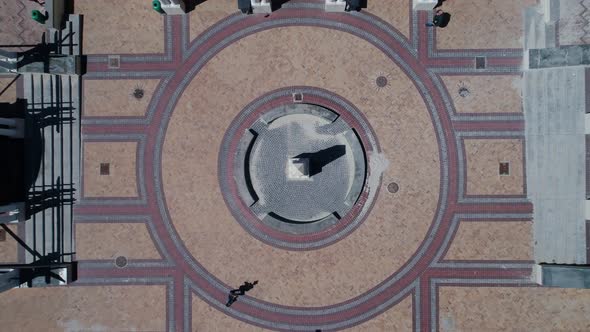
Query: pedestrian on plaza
x=243, y=288
x=231, y=299
x=440, y=19
x=439, y=3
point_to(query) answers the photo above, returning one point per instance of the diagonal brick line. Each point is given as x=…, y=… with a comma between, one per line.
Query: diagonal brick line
x=20, y=20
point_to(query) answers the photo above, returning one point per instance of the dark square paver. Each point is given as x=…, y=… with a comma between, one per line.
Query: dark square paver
x=105, y=169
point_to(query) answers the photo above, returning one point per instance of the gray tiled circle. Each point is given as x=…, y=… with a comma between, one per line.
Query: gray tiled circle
x=305, y=213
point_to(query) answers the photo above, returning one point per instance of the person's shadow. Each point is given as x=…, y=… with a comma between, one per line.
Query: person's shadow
x=317, y=160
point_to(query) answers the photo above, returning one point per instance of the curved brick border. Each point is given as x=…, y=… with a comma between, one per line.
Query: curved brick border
x=244, y=215
x=428, y=272
x=384, y=295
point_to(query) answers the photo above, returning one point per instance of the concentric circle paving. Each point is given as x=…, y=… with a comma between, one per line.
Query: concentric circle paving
x=408, y=150
x=395, y=258
x=270, y=197
x=303, y=166
x=379, y=263
x=301, y=171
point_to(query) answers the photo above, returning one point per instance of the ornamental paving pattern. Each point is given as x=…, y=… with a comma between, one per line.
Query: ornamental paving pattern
x=451, y=250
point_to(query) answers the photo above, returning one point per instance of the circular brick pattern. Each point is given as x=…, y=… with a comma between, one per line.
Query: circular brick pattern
x=303, y=168
x=400, y=283
x=268, y=226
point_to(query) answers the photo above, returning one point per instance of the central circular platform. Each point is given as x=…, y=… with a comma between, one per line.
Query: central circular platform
x=300, y=168
x=304, y=168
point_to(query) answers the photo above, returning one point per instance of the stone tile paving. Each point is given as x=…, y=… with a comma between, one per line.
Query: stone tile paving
x=473, y=28
x=18, y=28
x=416, y=262
x=493, y=309
x=100, y=241
x=120, y=27
x=8, y=88
x=574, y=22
x=121, y=178
x=493, y=240
x=101, y=308
x=8, y=246
x=483, y=162
x=485, y=94
x=118, y=92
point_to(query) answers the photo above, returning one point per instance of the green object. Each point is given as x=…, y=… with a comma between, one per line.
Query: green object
x=157, y=6
x=38, y=16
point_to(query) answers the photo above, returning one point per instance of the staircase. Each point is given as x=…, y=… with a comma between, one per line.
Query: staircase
x=8, y=62
x=540, y=30
x=53, y=112
x=54, y=106
x=554, y=106
x=554, y=103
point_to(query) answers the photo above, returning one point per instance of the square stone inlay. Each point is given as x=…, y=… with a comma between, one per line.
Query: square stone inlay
x=504, y=168
x=105, y=169
x=2, y=235
x=114, y=61
x=297, y=97
x=120, y=156
x=480, y=62
x=298, y=169
x=485, y=172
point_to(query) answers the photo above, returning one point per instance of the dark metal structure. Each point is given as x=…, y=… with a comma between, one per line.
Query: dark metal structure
x=44, y=172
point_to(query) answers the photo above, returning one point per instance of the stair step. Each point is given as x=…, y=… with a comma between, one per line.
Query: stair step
x=550, y=34
x=50, y=230
x=540, y=26
x=555, y=146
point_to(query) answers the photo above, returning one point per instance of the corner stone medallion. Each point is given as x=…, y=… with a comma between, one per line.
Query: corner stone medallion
x=297, y=175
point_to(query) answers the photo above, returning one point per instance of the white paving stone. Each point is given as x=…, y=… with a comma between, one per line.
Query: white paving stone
x=554, y=104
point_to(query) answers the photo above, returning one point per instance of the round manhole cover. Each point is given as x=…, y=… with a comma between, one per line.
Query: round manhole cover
x=121, y=261
x=393, y=187
x=381, y=81
x=464, y=92
x=138, y=93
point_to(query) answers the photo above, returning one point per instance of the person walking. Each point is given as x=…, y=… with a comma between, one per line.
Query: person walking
x=441, y=19
x=231, y=299
x=235, y=293
x=243, y=288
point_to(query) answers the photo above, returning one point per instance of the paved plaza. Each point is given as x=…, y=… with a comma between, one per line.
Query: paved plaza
x=435, y=239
